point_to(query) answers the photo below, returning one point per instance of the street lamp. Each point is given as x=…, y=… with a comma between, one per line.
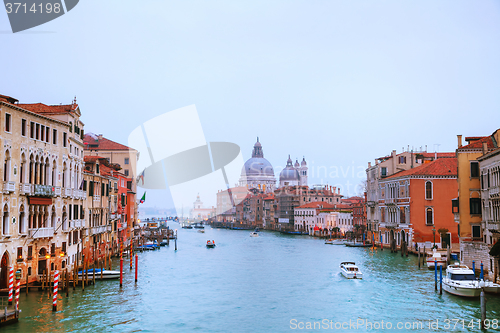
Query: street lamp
x=434, y=233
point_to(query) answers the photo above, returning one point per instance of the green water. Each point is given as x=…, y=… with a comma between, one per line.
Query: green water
x=270, y=283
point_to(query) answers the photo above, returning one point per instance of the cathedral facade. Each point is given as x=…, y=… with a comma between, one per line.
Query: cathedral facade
x=257, y=172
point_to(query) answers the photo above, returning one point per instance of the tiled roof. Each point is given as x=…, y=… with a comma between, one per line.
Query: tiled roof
x=101, y=143
x=270, y=196
x=477, y=142
x=92, y=158
x=439, y=167
x=49, y=109
x=317, y=204
x=439, y=155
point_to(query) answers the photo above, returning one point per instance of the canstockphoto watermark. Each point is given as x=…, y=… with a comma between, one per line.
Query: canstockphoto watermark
x=27, y=14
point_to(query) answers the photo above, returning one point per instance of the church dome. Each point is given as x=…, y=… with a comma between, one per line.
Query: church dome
x=257, y=166
x=303, y=163
x=289, y=173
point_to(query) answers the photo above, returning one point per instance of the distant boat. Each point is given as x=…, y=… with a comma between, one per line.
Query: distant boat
x=254, y=234
x=293, y=233
x=436, y=258
x=187, y=227
x=202, y=231
x=199, y=226
x=108, y=275
x=350, y=244
x=210, y=243
x=335, y=241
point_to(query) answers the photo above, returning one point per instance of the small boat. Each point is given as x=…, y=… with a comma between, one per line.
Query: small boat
x=491, y=287
x=105, y=274
x=335, y=241
x=187, y=227
x=148, y=246
x=254, y=234
x=350, y=271
x=199, y=226
x=210, y=243
x=360, y=244
x=201, y=231
x=163, y=242
x=436, y=258
x=461, y=281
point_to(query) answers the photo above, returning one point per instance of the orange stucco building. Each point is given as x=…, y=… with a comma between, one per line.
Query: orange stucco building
x=416, y=206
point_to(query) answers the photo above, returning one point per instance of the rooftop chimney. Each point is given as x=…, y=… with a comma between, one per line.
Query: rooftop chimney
x=485, y=148
x=459, y=137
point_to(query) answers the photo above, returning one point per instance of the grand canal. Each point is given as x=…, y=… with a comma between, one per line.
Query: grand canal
x=271, y=283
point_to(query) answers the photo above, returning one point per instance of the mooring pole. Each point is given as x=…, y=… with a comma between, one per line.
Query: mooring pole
x=435, y=275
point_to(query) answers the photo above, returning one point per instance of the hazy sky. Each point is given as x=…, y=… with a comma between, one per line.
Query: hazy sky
x=339, y=82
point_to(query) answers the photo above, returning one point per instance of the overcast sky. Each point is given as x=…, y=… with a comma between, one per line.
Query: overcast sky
x=339, y=82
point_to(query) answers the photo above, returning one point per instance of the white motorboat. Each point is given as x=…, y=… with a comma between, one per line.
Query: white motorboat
x=350, y=270
x=436, y=258
x=106, y=274
x=254, y=234
x=210, y=243
x=461, y=281
x=491, y=287
x=336, y=241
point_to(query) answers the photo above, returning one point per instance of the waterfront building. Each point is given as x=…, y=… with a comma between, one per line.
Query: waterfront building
x=199, y=212
x=294, y=174
x=468, y=207
x=226, y=203
x=125, y=157
x=42, y=153
x=415, y=206
x=489, y=166
x=101, y=202
x=257, y=172
x=385, y=167
x=320, y=218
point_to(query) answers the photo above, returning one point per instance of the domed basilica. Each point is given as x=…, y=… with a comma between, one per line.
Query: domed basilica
x=258, y=172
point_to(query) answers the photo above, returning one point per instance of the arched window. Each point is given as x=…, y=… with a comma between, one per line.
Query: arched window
x=429, y=216
x=428, y=190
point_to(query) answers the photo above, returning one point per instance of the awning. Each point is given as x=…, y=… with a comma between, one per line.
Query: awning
x=495, y=250
x=39, y=201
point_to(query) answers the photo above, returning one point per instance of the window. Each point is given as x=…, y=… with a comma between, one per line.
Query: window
x=65, y=139
x=42, y=132
x=30, y=252
x=23, y=127
x=474, y=169
x=54, y=136
x=37, y=131
x=20, y=253
x=476, y=231
x=384, y=171
x=429, y=216
x=475, y=206
x=7, y=122
x=126, y=172
x=47, y=134
x=53, y=249
x=63, y=248
x=402, y=159
x=126, y=160
x=428, y=190
x=32, y=130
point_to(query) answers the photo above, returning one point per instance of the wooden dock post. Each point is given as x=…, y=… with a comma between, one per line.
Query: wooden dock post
x=27, y=280
x=435, y=275
x=102, y=268
x=423, y=257
x=83, y=276
x=483, y=309
x=136, y=266
x=418, y=258
x=131, y=254
x=93, y=273
x=121, y=271
x=75, y=275
x=43, y=280
x=56, y=288
x=441, y=280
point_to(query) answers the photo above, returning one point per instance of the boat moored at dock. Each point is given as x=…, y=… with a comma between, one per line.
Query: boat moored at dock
x=461, y=281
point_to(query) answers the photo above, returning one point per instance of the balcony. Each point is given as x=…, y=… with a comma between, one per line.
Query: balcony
x=370, y=203
x=77, y=223
x=57, y=191
x=492, y=225
x=99, y=229
x=8, y=187
x=44, y=190
x=494, y=191
x=41, y=233
x=390, y=201
x=25, y=189
x=67, y=192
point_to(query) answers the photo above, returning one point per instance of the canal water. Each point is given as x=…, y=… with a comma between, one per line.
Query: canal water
x=270, y=283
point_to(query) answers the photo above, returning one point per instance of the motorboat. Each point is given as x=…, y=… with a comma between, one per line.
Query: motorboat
x=106, y=274
x=461, y=281
x=254, y=234
x=210, y=243
x=201, y=231
x=335, y=241
x=436, y=258
x=350, y=271
x=187, y=226
x=199, y=226
x=491, y=287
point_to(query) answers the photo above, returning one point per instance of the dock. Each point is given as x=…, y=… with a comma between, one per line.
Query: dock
x=8, y=314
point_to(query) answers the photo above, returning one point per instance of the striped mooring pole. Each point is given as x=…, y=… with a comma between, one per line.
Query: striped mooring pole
x=56, y=287
x=18, y=287
x=11, y=284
